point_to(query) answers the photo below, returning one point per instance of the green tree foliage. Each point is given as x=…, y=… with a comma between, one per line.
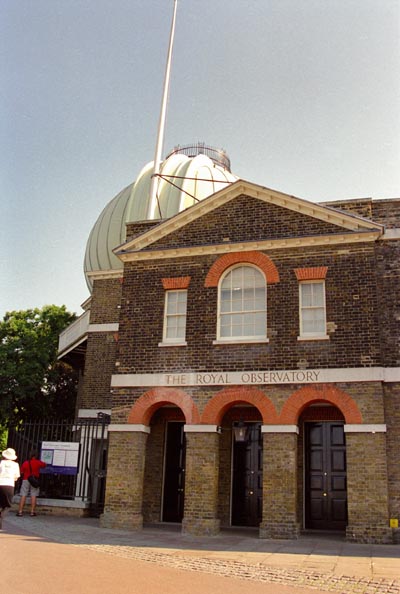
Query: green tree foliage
x=33, y=384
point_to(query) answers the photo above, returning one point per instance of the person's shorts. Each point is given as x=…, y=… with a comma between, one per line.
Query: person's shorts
x=27, y=489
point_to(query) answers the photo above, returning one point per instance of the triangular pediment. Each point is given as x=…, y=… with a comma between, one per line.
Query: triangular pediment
x=304, y=220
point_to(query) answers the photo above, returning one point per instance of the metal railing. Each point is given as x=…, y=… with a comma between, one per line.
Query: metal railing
x=88, y=484
x=218, y=156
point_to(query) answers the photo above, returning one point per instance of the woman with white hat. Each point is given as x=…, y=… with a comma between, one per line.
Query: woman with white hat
x=9, y=474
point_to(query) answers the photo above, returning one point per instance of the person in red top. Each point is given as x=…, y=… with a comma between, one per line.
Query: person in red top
x=30, y=467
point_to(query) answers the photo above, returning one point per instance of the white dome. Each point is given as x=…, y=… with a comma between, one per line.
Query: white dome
x=187, y=175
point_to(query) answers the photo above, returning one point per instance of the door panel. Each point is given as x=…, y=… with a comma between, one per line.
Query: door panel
x=338, y=461
x=174, y=473
x=325, y=479
x=316, y=509
x=247, y=479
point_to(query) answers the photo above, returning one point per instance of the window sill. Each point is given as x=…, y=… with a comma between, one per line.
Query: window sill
x=241, y=341
x=316, y=337
x=172, y=344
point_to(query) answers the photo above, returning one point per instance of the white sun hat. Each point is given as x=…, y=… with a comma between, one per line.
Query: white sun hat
x=9, y=454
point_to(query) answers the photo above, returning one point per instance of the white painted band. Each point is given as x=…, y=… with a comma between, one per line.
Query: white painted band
x=91, y=413
x=103, y=327
x=391, y=234
x=201, y=429
x=279, y=429
x=132, y=428
x=365, y=428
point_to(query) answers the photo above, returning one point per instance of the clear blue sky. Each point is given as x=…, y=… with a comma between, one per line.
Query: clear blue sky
x=303, y=94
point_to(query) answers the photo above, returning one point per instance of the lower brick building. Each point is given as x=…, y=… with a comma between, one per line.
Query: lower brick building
x=246, y=346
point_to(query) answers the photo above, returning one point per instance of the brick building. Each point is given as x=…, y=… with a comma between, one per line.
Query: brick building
x=246, y=346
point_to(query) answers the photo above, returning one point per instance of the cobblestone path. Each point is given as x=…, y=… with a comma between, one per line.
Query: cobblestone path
x=256, y=572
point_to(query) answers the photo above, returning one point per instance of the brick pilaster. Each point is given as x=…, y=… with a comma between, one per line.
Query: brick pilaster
x=279, y=519
x=125, y=472
x=201, y=484
x=367, y=488
x=392, y=418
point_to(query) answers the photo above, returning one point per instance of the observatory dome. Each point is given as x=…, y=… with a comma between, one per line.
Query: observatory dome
x=188, y=174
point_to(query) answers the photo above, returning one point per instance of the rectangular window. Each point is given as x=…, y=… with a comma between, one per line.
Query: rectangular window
x=175, y=316
x=312, y=310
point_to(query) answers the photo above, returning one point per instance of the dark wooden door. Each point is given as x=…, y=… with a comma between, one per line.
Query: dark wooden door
x=326, y=492
x=174, y=473
x=247, y=479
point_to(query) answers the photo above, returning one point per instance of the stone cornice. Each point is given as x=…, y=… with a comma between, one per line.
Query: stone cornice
x=271, y=244
x=241, y=187
x=104, y=274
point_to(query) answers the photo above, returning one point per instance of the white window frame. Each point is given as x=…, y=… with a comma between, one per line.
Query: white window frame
x=322, y=335
x=239, y=339
x=174, y=341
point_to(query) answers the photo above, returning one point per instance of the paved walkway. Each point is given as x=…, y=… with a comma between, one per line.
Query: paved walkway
x=322, y=562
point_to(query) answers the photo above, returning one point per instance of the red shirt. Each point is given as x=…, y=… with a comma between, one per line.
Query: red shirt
x=35, y=464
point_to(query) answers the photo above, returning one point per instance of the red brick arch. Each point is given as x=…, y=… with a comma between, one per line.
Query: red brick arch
x=307, y=395
x=142, y=411
x=217, y=406
x=257, y=258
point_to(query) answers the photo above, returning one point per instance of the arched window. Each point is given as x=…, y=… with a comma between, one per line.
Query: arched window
x=242, y=311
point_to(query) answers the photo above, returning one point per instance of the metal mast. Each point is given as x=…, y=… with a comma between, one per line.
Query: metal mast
x=161, y=126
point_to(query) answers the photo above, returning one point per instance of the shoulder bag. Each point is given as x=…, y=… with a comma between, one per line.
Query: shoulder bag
x=33, y=480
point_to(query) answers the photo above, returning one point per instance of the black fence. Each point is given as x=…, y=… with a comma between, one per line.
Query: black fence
x=88, y=484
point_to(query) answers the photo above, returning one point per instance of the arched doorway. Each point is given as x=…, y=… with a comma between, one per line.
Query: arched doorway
x=240, y=472
x=241, y=467
x=173, y=499
x=164, y=475
x=321, y=411
x=324, y=487
x=165, y=411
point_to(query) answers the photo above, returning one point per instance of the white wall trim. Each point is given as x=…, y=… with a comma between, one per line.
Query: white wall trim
x=391, y=234
x=305, y=338
x=270, y=244
x=85, y=413
x=262, y=377
x=129, y=428
x=365, y=428
x=103, y=327
x=200, y=429
x=221, y=341
x=279, y=429
x=63, y=503
x=391, y=374
x=103, y=274
x=172, y=344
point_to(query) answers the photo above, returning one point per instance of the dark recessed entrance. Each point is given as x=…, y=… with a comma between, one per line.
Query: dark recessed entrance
x=247, y=478
x=174, y=473
x=325, y=476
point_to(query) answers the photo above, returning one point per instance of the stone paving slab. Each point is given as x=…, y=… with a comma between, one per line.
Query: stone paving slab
x=328, y=564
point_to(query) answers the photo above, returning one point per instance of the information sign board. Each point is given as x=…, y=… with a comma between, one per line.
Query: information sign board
x=61, y=457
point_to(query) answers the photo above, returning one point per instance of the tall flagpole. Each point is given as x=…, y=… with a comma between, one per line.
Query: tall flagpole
x=161, y=126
